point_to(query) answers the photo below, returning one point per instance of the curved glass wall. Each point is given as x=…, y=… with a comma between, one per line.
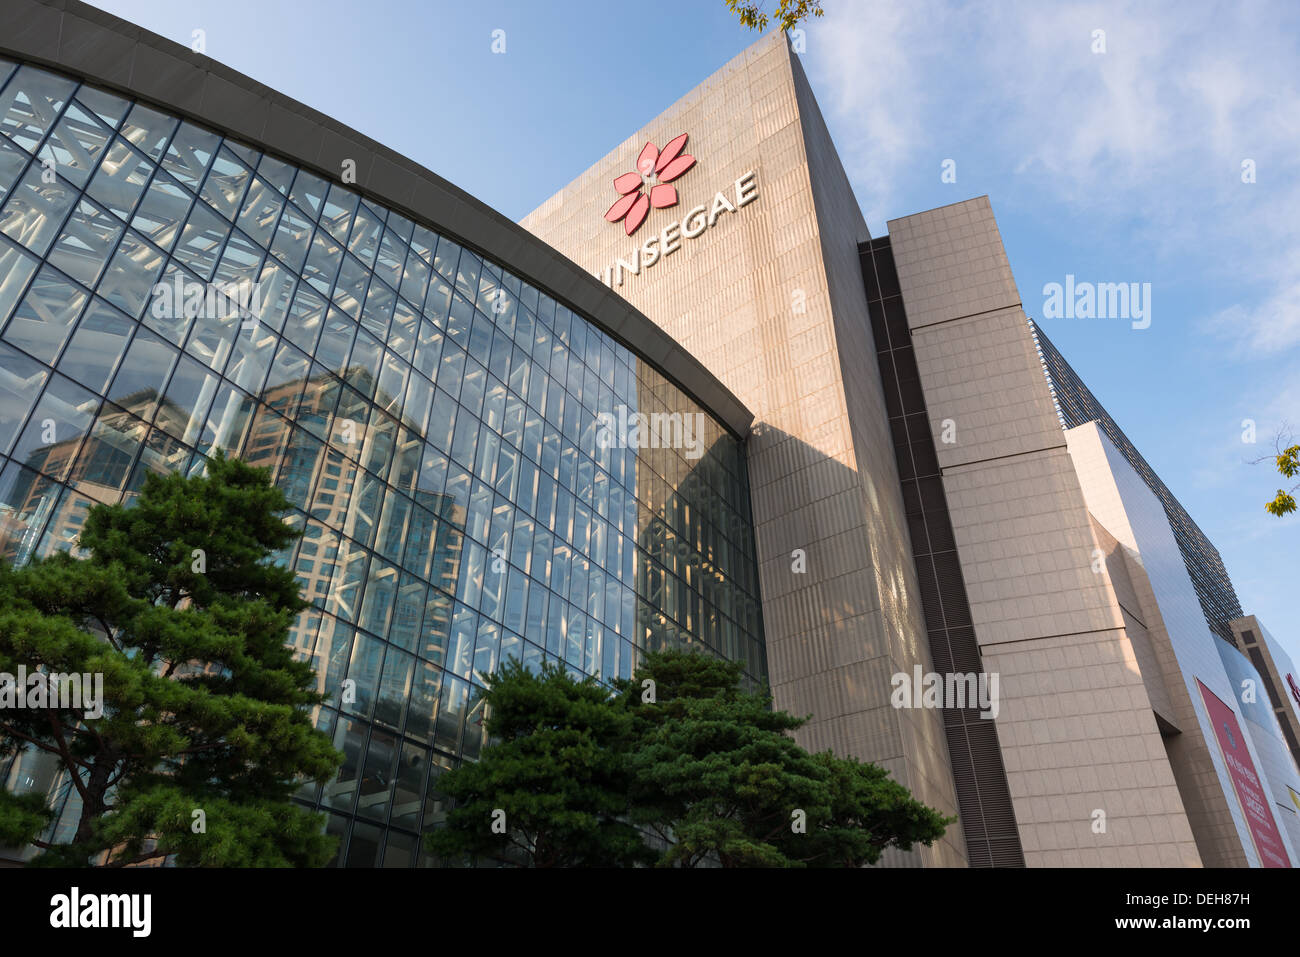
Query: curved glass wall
x=460, y=449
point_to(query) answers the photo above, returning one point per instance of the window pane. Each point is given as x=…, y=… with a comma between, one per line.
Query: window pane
x=174, y=303
x=402, y=332
x=106, y=106
x=392, y=253
x=305, y=319
x=364, y=670
x=20, y=382
x=345, y=589
x=12, y=162
x=164, y=208
x=274, y=293
x=88, y=239
x=334, y=641
x=201, y=241
x=76, y=145
x=380, y=301
x=131, y=274
x=30, y=104
x=363, y=846
x=292, y=235
x=54, y=432
x=411, y=772
x=190, y=153
x=106, y=459
x=16, y=267
x=240, y=265
x=375, y=794
x=278, y=174
x=148, y=130
x=350, y=288
x=251, y=354
x=451, y=712
x=121, y=179
x=446, y=257
x=337, y=214
x=143, y=372
x=366, y=231
x=393, y=690
x=380, y=594
x=247, y=154
x=215, y=328
x=224, y=188
x=323, y=262
x=260, y=211
x=27, y=498
x=409, y=613
x=350, y=738
x=426, y=687
x=185, y=408
x=363, y=365
x=35, y=210
x=44, y=320
x=309, y=192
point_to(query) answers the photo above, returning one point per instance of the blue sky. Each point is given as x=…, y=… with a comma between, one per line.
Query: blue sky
x=1122, y=166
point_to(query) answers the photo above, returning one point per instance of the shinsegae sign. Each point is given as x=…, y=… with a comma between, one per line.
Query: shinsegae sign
x=648, y=188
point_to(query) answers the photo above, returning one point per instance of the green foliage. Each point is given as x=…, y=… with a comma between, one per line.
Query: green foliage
x=717, y=767
x=234, y=833
x=556, y=774
x=869, y=812
x=1288, y=464
x=789, y=13
x=204, y=706
x=21, y=816
x=681, y=753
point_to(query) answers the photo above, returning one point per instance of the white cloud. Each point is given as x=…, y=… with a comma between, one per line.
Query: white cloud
x=1147, y=138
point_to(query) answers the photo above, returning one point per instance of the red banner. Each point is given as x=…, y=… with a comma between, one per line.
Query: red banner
x=1250, y=792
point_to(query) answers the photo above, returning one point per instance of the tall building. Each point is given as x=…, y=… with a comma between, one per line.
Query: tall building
x=935, y=491
x=689, y=401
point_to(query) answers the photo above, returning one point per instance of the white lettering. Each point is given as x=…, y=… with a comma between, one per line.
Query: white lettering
x=671, y=237
x=689, y=231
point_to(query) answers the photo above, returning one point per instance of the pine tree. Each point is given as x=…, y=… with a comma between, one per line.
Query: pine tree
x=716, y=770
x=681, y=767
x=552, y=790
x=205, y=730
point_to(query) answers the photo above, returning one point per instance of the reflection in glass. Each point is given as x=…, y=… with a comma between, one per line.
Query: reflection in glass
x=431, y=419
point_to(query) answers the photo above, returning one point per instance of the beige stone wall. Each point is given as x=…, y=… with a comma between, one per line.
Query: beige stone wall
x=770, y=299
x=1076, y=726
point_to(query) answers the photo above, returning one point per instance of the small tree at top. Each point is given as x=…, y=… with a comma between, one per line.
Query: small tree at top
x=788, y=14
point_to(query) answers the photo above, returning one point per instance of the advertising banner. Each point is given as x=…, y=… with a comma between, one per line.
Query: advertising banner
x=1250, y=791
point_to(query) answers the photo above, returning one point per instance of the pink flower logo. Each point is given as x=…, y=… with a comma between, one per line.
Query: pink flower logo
x=648, y=185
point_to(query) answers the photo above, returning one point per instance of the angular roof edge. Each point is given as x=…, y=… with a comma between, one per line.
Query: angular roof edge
x=83, y=41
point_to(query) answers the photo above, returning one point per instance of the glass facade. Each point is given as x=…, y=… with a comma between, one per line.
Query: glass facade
x=434, y=420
